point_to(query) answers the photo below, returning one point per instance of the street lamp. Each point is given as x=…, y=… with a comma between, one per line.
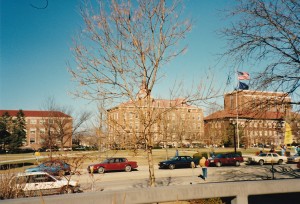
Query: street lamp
x=233, y=123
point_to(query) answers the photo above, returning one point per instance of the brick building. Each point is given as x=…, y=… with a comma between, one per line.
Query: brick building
x=171, y=122
x=46, y=128
x=255, y=117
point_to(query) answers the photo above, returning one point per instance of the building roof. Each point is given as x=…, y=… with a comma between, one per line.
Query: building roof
x=35, y=113
x=160, y=103
x=260, y=93
x=250, y=115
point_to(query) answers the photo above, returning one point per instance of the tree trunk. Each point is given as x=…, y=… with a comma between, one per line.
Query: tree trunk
x=151, y=167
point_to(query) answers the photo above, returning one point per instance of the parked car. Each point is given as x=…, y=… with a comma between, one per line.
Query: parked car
x=52, y=149
x=113, y=164
x=54, y=167
x=226, y=159
x=298, y=165
x=178, y=162
x=263, y=158
x=294, y=159
x=42, y=183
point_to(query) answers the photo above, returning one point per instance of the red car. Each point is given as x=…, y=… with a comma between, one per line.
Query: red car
x=113, y=164
x=226, y=159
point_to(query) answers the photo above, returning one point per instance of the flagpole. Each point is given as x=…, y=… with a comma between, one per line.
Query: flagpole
x=237, y=113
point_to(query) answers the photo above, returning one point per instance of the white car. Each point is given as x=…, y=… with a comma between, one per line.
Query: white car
x=42, y=183
x=269, y=158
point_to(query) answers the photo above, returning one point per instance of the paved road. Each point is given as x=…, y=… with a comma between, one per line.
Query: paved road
x=112, y=181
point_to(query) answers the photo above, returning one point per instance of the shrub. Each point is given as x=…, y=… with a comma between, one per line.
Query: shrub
x=8, y=188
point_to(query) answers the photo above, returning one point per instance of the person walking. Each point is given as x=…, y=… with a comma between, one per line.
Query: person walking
x=203, y=164
x=176, y=153
x=283, y=150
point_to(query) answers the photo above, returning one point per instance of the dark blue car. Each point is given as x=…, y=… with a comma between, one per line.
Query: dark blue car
x=178, y=162
x=54, y=167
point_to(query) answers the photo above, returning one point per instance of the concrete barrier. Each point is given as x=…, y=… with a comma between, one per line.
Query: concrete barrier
x=239, y=190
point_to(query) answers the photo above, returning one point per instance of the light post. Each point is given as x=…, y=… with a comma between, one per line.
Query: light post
x=233, y=123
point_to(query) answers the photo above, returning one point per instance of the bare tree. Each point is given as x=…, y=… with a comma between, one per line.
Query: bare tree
x=267, y=33
x=122, y=49
x=59, y=124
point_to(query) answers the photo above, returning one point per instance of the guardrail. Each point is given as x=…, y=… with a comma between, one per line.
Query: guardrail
x=239, y=190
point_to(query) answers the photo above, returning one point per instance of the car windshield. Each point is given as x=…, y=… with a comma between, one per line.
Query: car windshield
x=262, y=154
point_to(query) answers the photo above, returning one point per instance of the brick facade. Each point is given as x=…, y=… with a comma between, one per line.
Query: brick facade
x=173, y=122
x=41, y=124
x=259, y=118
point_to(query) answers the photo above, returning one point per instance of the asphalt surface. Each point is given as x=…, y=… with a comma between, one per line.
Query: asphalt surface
x=113, y=181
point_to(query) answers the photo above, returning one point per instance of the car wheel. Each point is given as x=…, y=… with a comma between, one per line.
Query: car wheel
x=101, y=170
x=218, y=164
x=280, y=161
x=172, y=166
x=261, y=162
x=237, y=163
x=128, y=168
x=66, y=190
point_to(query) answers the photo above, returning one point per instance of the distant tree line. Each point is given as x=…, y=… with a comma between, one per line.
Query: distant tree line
x=12, y=131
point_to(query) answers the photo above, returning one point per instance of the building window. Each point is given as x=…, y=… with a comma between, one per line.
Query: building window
x=32, y=140
x=33, y=121
x=136, y=126
x=42, y=131
x=32, y=131
x=51, y=131
x=231, y=102
x=51, y=121
x=42, y=121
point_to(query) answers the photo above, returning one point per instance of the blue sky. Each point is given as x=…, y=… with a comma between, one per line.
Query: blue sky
x=36, y=46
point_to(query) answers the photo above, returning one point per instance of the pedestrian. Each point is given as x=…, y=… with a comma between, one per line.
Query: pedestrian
x=282, y=151
x=176, y=153
x=203, y=164
x=37, y=154
x=298, y=149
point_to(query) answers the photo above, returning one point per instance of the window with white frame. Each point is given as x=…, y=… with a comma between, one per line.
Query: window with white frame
x=32, y=140
x=32, y=131
x=42, y=131
x=33, y=121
